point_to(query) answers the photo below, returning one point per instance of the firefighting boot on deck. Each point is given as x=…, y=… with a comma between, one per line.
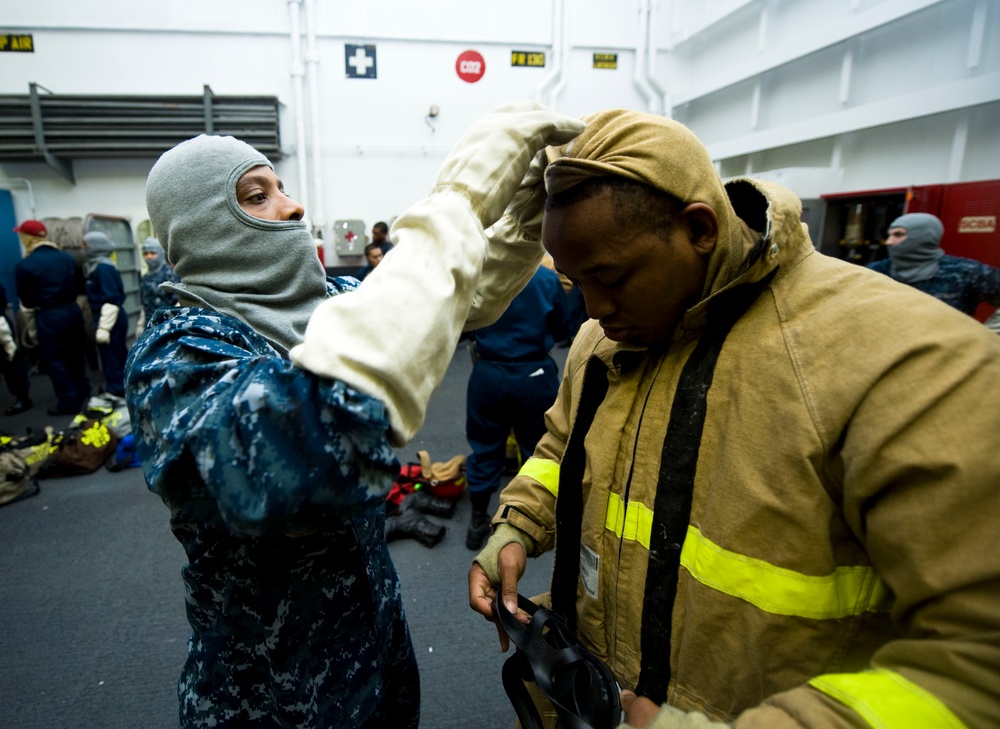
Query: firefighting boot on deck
x=479, y=526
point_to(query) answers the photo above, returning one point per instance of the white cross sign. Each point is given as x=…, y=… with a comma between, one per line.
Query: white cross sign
x=359, y=61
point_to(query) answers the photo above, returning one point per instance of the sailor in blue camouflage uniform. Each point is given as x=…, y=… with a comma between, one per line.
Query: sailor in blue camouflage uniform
x=916, y=258
x=267, y=404
x=157, y=272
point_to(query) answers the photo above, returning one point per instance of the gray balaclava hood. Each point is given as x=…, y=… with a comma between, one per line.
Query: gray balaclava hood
x=151, y=245
x=916, y=257
x=263, y=272
x=99, y=250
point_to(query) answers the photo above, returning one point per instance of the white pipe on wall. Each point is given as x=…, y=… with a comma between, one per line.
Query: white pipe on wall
x=652, y=50
x=563, y=55
x=542, y=93
x=298, y=110
x=639, y=67
x=312, y=75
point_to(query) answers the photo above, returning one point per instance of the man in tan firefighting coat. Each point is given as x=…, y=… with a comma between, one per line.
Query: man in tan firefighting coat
x=771, y=478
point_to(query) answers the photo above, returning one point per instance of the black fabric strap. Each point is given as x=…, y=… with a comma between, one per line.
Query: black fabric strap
x=672, y=510
x=569, y=504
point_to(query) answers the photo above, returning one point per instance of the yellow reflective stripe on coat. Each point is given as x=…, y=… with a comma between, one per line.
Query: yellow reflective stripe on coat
x=634, y=523
x=846, y=591
x=886, y=700
x=544, y=471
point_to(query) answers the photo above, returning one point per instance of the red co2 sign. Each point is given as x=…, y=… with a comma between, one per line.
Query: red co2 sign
x=470, y=66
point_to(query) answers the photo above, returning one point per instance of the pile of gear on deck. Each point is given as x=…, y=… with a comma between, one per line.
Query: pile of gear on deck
x=101, y=435
x=421, y=489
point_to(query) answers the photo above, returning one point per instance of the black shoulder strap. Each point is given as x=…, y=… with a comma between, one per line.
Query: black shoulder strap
x=569, y=504
x=672, y=510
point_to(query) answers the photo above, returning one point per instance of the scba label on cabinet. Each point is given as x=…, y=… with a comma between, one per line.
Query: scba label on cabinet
x=978, y=224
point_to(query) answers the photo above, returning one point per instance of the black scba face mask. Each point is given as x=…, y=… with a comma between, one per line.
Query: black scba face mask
x=581, y=688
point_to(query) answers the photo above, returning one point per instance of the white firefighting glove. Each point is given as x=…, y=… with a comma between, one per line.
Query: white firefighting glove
x=7, y=339
x=515, y=247
x=671, y=718
x=109, y=315
x=29, y=328
x=394, y=337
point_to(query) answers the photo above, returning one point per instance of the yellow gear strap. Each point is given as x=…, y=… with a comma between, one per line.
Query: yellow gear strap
x=846, y=591
x=886, y=700
x=544, y=471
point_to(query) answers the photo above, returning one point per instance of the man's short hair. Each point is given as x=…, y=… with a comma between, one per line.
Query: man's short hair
x=380, y=226
x=371, y=247
x=635, y=205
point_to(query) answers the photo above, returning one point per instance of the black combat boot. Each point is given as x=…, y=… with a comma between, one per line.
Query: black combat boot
x=427, y=503
x=479, y=527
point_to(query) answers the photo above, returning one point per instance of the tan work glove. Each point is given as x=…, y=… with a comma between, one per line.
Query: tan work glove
x=7, y=339
x=109, y=315
x=515, y=247
x=29, y=328
x=140, y=324
x=394, y=337
x=503, y=535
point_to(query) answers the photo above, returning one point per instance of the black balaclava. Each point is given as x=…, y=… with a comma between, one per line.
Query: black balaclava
x=916, y=257
x=263, y=272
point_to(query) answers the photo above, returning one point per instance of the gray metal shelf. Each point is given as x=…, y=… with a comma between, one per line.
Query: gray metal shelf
x=58, y=128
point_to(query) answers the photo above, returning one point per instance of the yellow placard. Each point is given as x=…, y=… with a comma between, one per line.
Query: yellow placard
x=14, y=43
x=527, y=58
x=606, y=60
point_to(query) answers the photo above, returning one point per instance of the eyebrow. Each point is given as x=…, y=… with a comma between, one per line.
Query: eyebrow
x=248, y=180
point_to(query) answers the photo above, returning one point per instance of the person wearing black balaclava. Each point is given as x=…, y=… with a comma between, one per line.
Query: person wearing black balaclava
x=106, y=296
x=265, y=408
x=916, y=258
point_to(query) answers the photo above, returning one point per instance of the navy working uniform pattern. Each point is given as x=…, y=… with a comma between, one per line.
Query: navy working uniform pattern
x=105, y=286
x=276, y=481
x=48, y=281
x=153, y=297
x=960, y=282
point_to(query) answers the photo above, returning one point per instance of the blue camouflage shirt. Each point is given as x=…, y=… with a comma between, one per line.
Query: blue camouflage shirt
x=960, y=282
x=276, y=482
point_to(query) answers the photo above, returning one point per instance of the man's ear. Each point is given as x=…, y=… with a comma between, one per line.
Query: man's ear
x=702, y=225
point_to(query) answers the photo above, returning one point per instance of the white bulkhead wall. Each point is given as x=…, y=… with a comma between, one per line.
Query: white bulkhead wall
x=826, y=96
x=849, y=95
